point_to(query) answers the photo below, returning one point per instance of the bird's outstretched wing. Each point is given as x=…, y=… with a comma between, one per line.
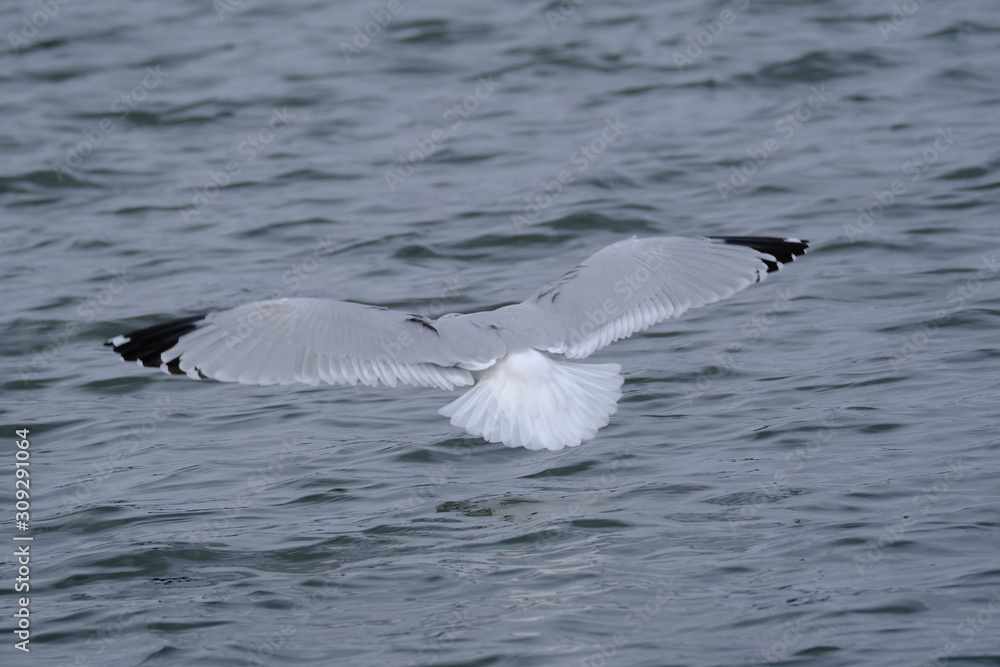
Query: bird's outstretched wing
x=636, y=283
x=282, y=341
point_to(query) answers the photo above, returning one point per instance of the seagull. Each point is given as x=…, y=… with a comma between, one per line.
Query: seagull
x=523, y=393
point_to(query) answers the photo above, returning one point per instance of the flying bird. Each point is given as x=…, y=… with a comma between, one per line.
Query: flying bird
x=523, y=392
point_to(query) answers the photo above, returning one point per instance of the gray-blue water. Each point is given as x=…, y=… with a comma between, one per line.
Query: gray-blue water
x=806, y=473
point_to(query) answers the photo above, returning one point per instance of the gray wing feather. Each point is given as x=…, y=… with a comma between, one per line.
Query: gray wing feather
x=309, y=341
x=636, y=283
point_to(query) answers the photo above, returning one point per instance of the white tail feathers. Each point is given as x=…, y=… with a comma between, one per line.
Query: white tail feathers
x=527, y=399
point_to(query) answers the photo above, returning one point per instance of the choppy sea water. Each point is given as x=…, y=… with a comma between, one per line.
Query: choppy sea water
x=803, y=474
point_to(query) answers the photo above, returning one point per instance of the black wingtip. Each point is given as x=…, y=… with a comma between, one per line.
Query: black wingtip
x=146, y=345
x=783, y=250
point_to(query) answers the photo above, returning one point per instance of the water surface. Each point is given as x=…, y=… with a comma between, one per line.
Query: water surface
x=804, y=474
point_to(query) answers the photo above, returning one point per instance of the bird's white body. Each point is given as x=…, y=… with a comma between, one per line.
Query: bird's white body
x=522, y=395
x=531, y=400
